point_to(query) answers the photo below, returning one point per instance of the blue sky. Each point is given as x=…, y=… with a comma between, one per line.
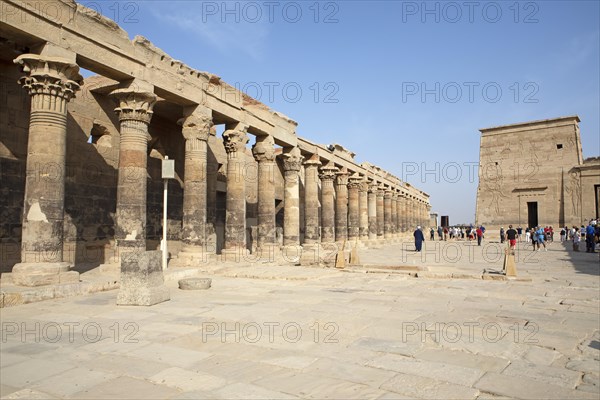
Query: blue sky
x=405, y=85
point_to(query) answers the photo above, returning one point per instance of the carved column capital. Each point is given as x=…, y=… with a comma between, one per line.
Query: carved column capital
x=312, y=162
x=373, y=187
x=292, y=160
x=380, y=191
x=342, y=178
x=53, y=76
x=196, y=126
x=263, y=149
x=354, y=182
x=328, y=172
x=234, y=140
x=134, y=106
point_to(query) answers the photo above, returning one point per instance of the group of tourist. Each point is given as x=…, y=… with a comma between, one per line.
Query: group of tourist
x=538, y=235
x=590, y=234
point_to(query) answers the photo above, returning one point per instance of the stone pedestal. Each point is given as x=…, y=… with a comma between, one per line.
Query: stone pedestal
x=196, y=131
x=142, y=281
x=328, y=174
x=292, y=161
x=264, y=154
x=51, y=82
x=235, y=141
x=341, y=206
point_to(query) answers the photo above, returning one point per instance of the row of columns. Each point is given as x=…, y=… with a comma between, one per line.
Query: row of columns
x=351, y=208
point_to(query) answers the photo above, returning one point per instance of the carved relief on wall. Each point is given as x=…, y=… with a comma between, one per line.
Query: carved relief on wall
x=573, y=190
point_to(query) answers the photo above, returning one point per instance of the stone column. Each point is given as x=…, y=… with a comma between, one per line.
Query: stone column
x=311, y=201
x=142, y=281
x=135, y=112
x=292, y=161
x=354, y=183
x=387, y=214
x=341, y=206
x=372, y=204
x=380, y=212
x=264, y=154
x=411, y=214
x=196, y=130
x=51, y=82
x=399, y=213
x=363, y=206
x=404, y=208
x=235, y=141
x=328, y=174
x=394, y=206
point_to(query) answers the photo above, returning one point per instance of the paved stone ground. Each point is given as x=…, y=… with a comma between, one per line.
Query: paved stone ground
x=293, y=332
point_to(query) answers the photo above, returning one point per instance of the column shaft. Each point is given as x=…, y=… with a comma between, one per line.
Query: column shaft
x=235, y=141
x=51, y=83
x=387, y=212
x=311, y=201
x=292, y=161
x=353, y=207
x=341, y=206
x=372, y=205
x=328, y=174
x=380, y=213
x=264, y=154
x=196, y=130
x=363, y=205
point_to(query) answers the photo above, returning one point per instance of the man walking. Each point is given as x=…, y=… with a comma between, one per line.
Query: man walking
x=511, y=235
x=419, y=238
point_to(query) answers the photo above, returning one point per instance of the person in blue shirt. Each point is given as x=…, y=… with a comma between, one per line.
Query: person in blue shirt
x=540, y=236
x=590, y=232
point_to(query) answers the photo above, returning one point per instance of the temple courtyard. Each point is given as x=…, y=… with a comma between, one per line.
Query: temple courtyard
x=399, y=325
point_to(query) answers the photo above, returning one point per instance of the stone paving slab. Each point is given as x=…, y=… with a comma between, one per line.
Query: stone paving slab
x=362, y=336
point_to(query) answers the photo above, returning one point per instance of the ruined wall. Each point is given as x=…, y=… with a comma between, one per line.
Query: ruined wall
x=529, y=163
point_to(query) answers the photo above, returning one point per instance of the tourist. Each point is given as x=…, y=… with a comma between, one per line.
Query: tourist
x=419, y=238
x=445, y=233
x=511, y=235
x=519, y=233
x=431, y=234
x=527, y=235
x=541, y=238
x=551, y=231
x=502, y=235
x=563, y=234
x=590, y=233
x=533, y=238
x=576, y=239
x=479, y=233
x=440, y=232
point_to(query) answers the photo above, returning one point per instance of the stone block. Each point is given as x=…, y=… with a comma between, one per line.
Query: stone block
x=41, y=274
x=195, y=283
x=142, y=281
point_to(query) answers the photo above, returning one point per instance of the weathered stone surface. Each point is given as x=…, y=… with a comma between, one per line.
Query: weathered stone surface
x=142, y=282
x=526, y=388
x=195, y=283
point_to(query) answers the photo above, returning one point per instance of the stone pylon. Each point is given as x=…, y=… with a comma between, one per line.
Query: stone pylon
x=51, y=82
